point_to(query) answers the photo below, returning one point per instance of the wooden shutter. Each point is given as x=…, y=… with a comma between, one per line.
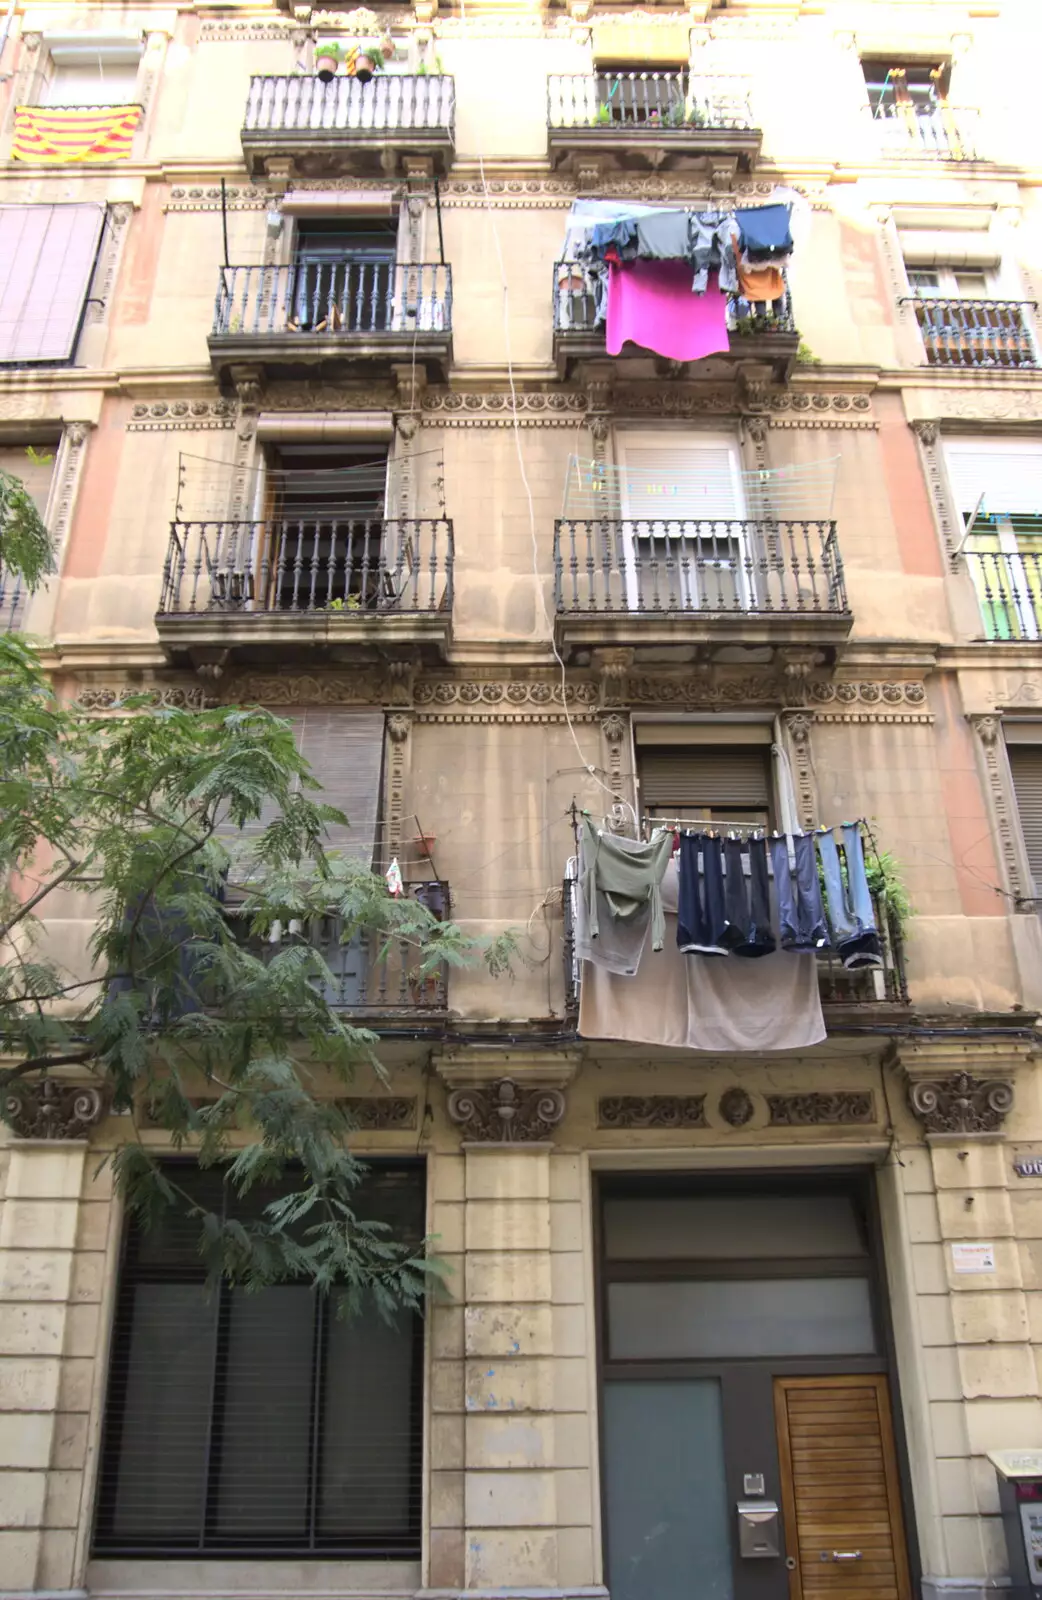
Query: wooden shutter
x=1025, y=763
x=840, y=1494
x=679, y=476
x=345, y=750
x=693, y=777
x=1007, y=472
x=47, y=256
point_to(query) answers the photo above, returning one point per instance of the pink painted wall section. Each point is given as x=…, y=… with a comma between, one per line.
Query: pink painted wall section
x=86, y=542
x=970, y=827
x=903, y=473
x=867, y=299
x=133, y=302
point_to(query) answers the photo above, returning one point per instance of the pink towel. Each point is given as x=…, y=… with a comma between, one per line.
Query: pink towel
x=651, y=302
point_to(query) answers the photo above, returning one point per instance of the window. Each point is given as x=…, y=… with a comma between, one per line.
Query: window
x=262, y=1423
x=1024, y=749
x=35, y=473
x=47, y=257
x=100, y=70
x=706, y=773
x=325, y=509
x=345, y=278
x=997, y=488
x=910, y=86
x=951, y=283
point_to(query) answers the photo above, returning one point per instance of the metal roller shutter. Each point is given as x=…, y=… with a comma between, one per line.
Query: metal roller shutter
x=691, y=777
x=1007, y=472
x=1025, y=761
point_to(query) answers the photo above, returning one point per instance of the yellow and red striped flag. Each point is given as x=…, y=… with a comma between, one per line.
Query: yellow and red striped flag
x=63, y=134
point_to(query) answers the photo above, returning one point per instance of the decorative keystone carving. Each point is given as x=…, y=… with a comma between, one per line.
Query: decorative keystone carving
x=813, y=1110
x=614, y=728
x=736, y=1107
x=927, y=429
x=652, y=1111
x=379, y=1113
x=49, y=1109
x=505, y=1112
x=398, y=727
x=961, y=1103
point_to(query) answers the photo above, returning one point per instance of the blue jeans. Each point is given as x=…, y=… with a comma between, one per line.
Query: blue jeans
x=801, y=915
x=851, y=914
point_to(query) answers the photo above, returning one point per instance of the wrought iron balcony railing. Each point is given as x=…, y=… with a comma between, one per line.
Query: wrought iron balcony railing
x=837, y=985
x=354, y=567
x=342, y=298
x=635, y=103
x=947, y=132
x=715, y=568
x=389, y=103
x=575, y=308
x=976, y=333
x=12, y=602
x=1009, y=589
x=370, y=974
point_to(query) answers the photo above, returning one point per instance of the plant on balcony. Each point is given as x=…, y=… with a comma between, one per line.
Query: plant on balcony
x=886, y=882
x=601, y=117
x=172, y=1021
x=368, y=57
x=328, y=56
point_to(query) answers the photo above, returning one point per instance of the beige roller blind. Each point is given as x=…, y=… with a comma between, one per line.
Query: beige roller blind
x=47, y=256
x=662, y=45
x=692, y=778
x=1025, y=762
x=345, y=750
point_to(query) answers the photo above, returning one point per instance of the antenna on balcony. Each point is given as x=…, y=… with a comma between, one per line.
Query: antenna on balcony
x=978, y=508
x=224, y=221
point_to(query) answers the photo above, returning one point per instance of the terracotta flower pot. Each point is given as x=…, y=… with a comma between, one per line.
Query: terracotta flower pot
x=325, y=68
x=363, y=67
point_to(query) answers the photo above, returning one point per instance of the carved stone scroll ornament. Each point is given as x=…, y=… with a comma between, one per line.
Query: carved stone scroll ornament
x=815, y=1110
x=961, y=1103
x=48, y=1109
x=505, y=1112
x=652, y=1111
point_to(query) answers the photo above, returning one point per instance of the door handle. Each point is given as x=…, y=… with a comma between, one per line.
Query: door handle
x=841, y=1555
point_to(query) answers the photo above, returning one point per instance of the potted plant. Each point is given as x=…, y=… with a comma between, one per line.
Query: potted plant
x=328, y=56
x=369, y=57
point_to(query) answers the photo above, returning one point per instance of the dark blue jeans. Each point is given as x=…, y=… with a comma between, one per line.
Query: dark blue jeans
x=801, y=915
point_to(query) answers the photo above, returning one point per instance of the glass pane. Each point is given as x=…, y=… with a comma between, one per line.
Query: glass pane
x=371, y=1444
x=265, y=1423
x=747, y=1317
x=731, y=1227
x=667, y=1514
x=154, y=1487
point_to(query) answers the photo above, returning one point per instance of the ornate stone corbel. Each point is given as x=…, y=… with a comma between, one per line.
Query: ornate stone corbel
x=51, y=1109
x=506, y=1096
x=988, y=729
x=797, y=725
x=962, y=1089
x=926, y=430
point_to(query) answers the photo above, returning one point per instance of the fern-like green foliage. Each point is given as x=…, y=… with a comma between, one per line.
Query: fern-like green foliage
x=25, y=545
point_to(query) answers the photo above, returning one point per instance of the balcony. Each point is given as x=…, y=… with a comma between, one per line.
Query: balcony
x=13, y=599
x=389, y=125
x=372, y=977
x=1009, y=590
x=769, y=338
x=944, y=133
x=651, y=121
x=839, y=988
x=334, y=591
x=757, y=586
x=982, y=334
x=334, y=315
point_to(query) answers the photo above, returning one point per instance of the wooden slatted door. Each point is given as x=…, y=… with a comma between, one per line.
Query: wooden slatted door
x=840, y=1495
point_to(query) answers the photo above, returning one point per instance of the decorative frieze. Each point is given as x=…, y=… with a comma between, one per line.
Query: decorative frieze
x=652, y=1111
x=961, y=1103
x=379, y=1113
x=870, y=701
x=986, y=405
x=736, y=1107
x=168, y=696
x=167, y=416
x=817, y=1109
x=50, y=1109
x=208, y=198
x=557, y=408
x=506, y=1112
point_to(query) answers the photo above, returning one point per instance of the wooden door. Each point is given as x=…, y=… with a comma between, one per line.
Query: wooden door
x=840, y=1498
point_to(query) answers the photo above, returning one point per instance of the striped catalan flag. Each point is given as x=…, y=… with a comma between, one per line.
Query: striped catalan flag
x=57, y=136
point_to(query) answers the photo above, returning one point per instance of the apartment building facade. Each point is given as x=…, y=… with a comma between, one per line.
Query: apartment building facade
x=324, y=419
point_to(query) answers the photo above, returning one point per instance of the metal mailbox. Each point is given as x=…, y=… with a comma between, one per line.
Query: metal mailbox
x=1020, y=1497
x=758, y=1533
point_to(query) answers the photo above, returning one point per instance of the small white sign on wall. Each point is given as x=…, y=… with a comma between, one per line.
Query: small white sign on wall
x=973, y=1258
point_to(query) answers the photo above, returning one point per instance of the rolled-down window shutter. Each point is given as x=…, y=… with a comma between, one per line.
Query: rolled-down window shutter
x=47, y=256
x=345, y=751
x=691, y=777
x=686, y=479
x=1007, y=472
x=1025, y=761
